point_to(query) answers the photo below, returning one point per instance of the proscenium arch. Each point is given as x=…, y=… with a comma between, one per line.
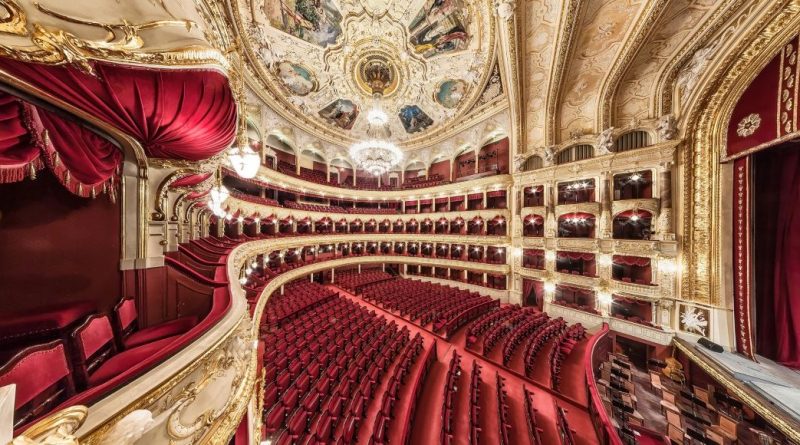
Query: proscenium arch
x=706, y=126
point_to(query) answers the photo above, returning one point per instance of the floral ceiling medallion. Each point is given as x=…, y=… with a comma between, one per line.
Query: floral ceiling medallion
x=749, y=125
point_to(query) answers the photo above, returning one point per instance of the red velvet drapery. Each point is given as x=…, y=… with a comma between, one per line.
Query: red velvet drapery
x=31, y=138
x=178, y=114
x=576, y=255
x=17, y=147
x=190, y=180
x=631, y=260
x=777, y=265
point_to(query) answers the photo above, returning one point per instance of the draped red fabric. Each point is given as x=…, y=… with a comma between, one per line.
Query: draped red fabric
x=527, y=287
x=473, y=196
x=178, y=114
x=639, y=213
x=576, y=255
x=190, y=180
x=777, y=265
x=17, y=147
x=496, y=193
x=86, y=157
x=631, y=260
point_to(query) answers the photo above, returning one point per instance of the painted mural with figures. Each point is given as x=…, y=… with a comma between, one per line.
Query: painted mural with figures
x=298, y=79
x=341, y=112
x=440, y=27
x=414, y=119
x=315, y=21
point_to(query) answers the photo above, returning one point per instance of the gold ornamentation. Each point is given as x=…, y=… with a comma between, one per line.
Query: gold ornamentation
x=749, y=125
x=15, y=21
x=122, y=43
x=56, y=429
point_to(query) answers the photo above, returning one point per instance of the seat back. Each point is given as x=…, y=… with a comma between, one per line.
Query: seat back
x=93, y=344
x=42, y=377
x=126, y=317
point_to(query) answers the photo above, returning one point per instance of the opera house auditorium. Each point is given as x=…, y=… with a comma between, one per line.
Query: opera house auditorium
x=399, y=222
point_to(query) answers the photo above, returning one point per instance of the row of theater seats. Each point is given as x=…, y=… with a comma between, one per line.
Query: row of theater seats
x=353, y=280
x=82, y=350
x=364, y=183
x=474, y=404
x=447, y=433
x=501, y=331
x=425, y=302
x=552, y=329
x=564, y=344
x=407, y=358
x=294, y=300
x=254, y=199
x=320, y=376
x=502, y=410
x=534, y=431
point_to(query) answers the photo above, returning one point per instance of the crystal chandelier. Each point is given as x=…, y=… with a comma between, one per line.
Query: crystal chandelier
x=242, y=158
x=218, y=195
x=244, y=161
x=377, y=155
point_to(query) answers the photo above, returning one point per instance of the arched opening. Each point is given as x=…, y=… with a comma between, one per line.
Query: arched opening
x=493, y=157
x=631, y=141
x=633, y=224
x=465, y=163
x=313, y=167
x=342, y=172
x=533, y=225
x=574, y=153
x=576, y=225
x=442, y=226
x=576, y=192
x=426, y=226
x=285, y=158
x=533, y=196
x=634, y=185
x=496, y=226
x=475, y=226
x=534, y=162
x=457, y=226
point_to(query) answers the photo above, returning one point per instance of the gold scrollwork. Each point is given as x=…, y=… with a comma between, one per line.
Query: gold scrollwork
x=56, y=429
x=15, y=20
x=123, y=42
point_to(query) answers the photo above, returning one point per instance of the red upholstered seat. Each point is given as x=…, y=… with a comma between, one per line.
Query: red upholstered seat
x=42, y=378
x=126, y=319
x=167, y=329
x=125, y=360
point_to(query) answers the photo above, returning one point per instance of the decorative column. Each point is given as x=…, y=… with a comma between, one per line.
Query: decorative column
x=665, y=230
x=606, y=218
x=550, y=201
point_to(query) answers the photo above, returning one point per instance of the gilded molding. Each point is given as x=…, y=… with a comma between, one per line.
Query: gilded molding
x=123, y=43
x=702, y=190
x=763, y=407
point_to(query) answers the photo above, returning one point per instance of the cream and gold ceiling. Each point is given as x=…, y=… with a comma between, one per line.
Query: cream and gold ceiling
x=434, y=58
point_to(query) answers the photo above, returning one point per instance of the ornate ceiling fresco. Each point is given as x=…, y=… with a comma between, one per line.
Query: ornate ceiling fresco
x=589, y=66
x=322, y=59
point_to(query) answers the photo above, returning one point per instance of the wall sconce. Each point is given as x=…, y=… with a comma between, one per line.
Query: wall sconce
x=604, y=297
x=517, y=252
x=668, y=265
x=549, y=287
x=604, y=260
x=549, y=255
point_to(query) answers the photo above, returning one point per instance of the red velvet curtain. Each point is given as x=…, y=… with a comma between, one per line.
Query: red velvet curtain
x=576, y=256
x=777, y=264
x=85, y=160
x=178, y=114
x=190, y=180
x=31, y=138
x=18, y=151
x=631, y=260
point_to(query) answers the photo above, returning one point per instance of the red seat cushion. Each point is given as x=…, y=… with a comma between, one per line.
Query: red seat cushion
x=157, y=332
x=125, y=360
x=13, y=324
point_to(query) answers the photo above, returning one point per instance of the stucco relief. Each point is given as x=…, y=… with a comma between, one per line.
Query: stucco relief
x=637, y=89
x=602, y=31
x=539, y=40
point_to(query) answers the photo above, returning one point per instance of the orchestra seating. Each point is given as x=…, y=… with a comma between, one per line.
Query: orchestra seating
x=475, y=404
x=502, y=410
x=564, y=343
x=353, y=280
x=297, y=296
x=448, y=407
x=321, y=376
x=427, y=303
x=534, y=431
x=254, y=199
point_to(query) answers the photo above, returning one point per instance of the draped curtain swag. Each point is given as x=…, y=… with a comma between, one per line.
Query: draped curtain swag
x=631, y=260
x=174, y=114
